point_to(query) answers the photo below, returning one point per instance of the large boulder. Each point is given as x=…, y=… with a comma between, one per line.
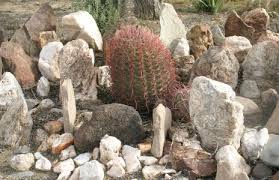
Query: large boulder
x=230, y=165
x=76, y=62
x=20, y=64
x=262, y=64
x=216, y=114
x=219, y=64
x=118, y=120
x=48, y=62
x=172, y=27
x=81, y=25
x=270, y=153
x=200, y=39
x=15, y=121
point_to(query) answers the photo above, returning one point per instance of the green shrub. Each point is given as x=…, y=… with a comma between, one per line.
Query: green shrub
x=105, y=12
x=213, y=6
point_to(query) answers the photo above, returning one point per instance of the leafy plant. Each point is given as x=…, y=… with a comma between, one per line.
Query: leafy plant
x=142, y=69
x=105, y=12
x=213, y=6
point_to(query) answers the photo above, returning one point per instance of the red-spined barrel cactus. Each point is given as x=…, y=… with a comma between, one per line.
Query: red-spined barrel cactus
x=142, y=68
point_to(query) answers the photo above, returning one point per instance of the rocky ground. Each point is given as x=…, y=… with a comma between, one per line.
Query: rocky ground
x=58, y=120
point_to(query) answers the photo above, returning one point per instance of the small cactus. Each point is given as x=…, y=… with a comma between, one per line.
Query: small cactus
x=142, y=69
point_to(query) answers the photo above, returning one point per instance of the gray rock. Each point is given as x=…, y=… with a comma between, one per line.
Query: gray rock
x=96, y=153
x=31, y=103
x=22, y=150
x=261, y=171
x=48, y=62
x=218, y=64
x=171, y=25
x=43, y=87
x=162, y=120
x=252, y=113
x=218, y=36
x=106, y=120
x=16, y=123
x=75, y=175
x=109, y=148
x=46, y=104
x=82, y=158
x=261, y=64
x=92, y=170
x=249, y=89
x=215, y=113
x=22, y=162
x=81, y=25
x=252, y=143
x=81, y=72
x=131, y=156
x=269, y=101
x=21, y=175
x=270, y=153
x=64, y=175
x=165, y=159
x=231, y=165
x=69, y=105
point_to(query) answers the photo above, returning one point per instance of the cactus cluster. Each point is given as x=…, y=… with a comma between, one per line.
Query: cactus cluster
x=142, y=69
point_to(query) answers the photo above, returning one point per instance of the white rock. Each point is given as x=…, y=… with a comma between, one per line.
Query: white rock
x=22, y=162
x=64, y=175
x=171, y=25
x=230, y=165
x=116, y=161
x=116, y=171
x=165, y=159
x=92, y=170
x=237, y=44
x=42, y=163
x=270, y=153
x=75, y=175
x=153, y=171
x=82, y=158
x=81, y=25
x=69, y=105
x=215, y=113
x=161, y=123
x=148, y=160
x=15, y=121
x=109, y=148
x=95, y=153
x=182, y=48
x=169, y=171
x=252, y=143
x=46, y=104
x=131, y=156
x=104, y=78
x=48, y=61
x=67, y=153
x=43, y=87
x=249, y=89
x=64, y=166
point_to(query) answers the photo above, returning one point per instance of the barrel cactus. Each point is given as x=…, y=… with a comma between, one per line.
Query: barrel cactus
x=142, y=69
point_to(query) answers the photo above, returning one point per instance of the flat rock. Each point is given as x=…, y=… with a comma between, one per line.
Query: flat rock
x=82, y=158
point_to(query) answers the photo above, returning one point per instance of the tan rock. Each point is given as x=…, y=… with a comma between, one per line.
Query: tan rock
x=46, y=37
x=200, y=39
x=53, y=127
x=144, y=147
x=273, y=123
x=64, y=141
x=20, y=64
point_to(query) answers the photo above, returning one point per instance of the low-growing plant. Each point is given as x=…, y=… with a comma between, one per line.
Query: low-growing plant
x=213, y=6
x=105, y=12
